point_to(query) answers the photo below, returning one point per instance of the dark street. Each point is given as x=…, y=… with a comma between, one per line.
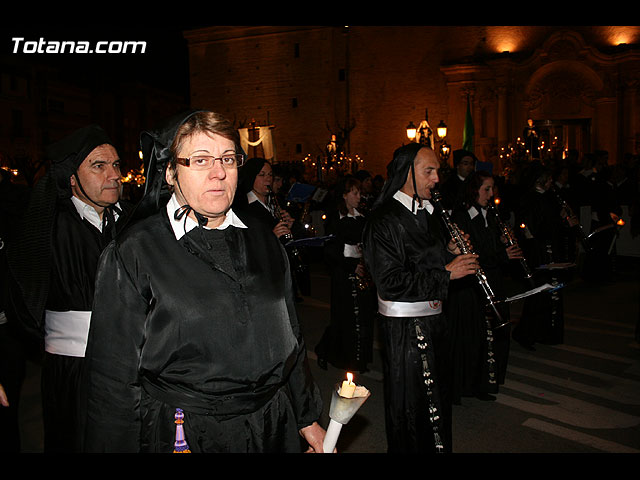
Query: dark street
x=581, y=396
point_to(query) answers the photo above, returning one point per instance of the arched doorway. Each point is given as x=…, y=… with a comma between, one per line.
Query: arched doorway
x=561, y=99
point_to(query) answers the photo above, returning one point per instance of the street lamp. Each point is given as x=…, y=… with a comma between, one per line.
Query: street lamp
x=422, y=133
x=445, y=148
x=442, y=130
x=411, y=131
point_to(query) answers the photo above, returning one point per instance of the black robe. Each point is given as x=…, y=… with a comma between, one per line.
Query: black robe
x=348, y=340
x=212, y=333
x=453, y=191
x=542, y=317
x=478, y=352
x=406, y=257
x=76, y=246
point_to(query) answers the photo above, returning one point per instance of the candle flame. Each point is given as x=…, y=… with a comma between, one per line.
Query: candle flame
x=522, y=225
x=496, y=201
x=620, y=222
x=350, y=377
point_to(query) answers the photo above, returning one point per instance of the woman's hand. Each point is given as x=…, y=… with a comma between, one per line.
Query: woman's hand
x=314, y=435
x=514, y=252
x=281, y=229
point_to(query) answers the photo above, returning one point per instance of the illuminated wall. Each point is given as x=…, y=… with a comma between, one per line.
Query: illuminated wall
x=370, y=82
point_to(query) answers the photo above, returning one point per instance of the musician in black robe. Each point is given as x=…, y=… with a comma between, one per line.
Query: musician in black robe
x=74, y=211
x=411, y=266
x=256, y=197
x=540, y=238
x=453, y=188
x=347, y=342
x=479, y=351
x=195, y=343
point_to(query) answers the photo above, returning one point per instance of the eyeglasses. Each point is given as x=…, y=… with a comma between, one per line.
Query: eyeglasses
x=205, y=162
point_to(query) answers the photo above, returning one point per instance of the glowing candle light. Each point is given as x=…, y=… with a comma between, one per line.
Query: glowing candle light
x=348, y=387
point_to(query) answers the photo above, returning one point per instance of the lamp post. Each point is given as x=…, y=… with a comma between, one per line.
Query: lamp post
x=422, y=133
x=412, y=130
x=445, y=148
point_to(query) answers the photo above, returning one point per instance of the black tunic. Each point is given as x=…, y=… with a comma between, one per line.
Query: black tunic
x=348, y=340
x=216, y=338
x=542, y=317
x=75, y=249
x=406, y=257
x=478, y=353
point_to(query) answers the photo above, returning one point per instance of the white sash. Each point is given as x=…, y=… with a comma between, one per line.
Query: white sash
x=66, y=332
x=409, y=309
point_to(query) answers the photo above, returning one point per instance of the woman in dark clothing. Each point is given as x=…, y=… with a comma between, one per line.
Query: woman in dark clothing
x=479, y=352
x=348, y=340
x=198, y=300
x=542, y=317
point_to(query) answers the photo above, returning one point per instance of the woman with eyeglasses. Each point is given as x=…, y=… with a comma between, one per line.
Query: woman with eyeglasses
x=195, y=344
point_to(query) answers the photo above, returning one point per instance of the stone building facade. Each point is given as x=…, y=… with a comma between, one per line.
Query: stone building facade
x=364, y=84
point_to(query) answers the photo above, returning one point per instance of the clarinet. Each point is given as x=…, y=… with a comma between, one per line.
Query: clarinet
x=511, y=239
x=299, y=267
x=584, y=239
x=465, y=248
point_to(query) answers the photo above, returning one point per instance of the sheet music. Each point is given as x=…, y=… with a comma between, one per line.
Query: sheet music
x=556, y=266
x=542, y=288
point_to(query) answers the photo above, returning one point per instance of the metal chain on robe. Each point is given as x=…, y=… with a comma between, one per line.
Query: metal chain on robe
x=355, y=290
x=491, y=361
x=434, y=415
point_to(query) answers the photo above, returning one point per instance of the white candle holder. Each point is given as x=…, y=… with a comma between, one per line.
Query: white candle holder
x=342, y=409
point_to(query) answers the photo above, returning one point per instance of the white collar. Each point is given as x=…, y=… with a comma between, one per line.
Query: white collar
x=355, y=214
x=252, y=197
x=473, y=213
x=180, y=227
x=408, y=202
x=88, y=212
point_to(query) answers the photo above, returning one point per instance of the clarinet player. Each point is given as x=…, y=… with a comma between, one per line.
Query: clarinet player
x=412, y=267
x=479, y=353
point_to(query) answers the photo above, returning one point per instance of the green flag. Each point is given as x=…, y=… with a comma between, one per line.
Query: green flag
x=467, y=134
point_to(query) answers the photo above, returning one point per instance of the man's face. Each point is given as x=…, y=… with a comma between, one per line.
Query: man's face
x=209, y=192
x=465, y=167
x=426, y=173
x=367, y=185
x=99, y=175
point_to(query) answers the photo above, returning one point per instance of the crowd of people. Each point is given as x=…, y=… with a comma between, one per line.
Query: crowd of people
x=170, y=324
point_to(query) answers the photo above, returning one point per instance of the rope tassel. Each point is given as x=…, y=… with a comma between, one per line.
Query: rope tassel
x=180, y=445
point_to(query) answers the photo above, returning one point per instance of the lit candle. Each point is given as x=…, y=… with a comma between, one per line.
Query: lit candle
x=348, y=387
